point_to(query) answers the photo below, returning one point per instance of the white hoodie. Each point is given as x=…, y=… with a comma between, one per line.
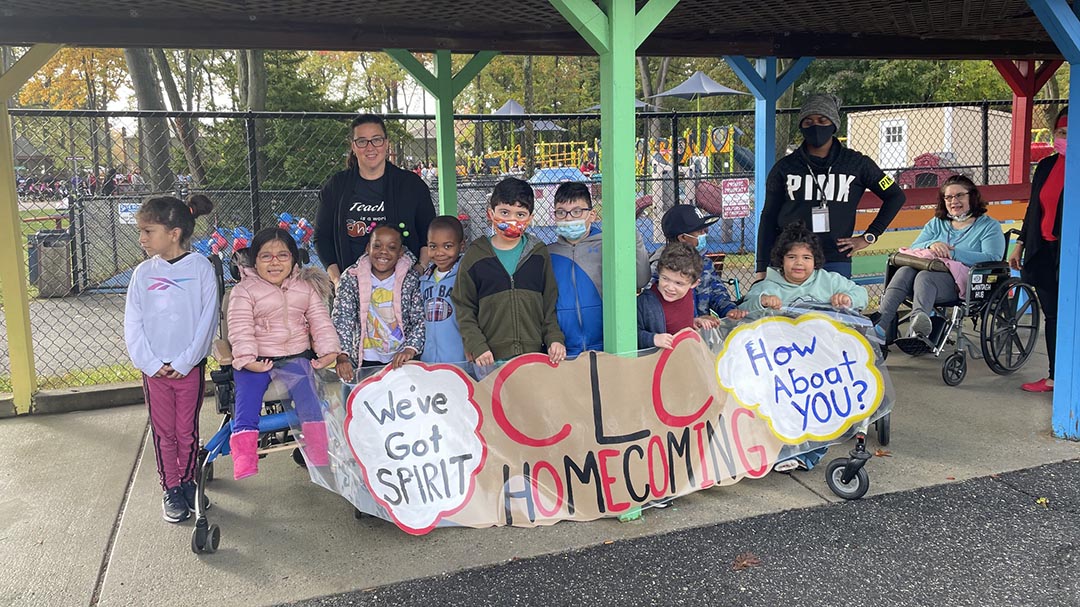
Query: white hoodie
x=171, y=314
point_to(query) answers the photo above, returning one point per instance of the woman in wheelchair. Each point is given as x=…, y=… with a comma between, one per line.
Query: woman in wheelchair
x=961, y=234
x=279, y=327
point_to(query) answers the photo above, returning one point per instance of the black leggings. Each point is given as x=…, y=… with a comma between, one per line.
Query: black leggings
x=1041, y=270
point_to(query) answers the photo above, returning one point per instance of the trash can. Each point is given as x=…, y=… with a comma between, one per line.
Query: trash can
x=49, y=257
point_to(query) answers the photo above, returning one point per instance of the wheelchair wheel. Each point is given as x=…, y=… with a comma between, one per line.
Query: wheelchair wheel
x=1010, y=327
x=883, y=430
x=852, y=490
x=955, y=369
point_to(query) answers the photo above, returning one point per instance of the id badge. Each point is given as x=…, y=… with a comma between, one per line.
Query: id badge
x=820, y=220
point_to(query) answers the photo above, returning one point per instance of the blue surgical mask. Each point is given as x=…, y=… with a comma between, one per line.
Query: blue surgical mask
x=701, y=244
x=571, y=230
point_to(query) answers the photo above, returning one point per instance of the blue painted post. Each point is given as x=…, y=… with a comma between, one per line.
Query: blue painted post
x=767, y=88
x=1062, y=24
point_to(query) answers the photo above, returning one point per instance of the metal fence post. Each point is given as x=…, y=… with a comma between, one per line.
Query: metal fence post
x=253, y=172
x=675, y=156
x=986, y=141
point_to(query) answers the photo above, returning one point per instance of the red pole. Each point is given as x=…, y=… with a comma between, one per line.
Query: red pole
x=1025, y=81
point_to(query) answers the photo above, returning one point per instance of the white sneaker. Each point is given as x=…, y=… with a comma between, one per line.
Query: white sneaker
x=921, y=326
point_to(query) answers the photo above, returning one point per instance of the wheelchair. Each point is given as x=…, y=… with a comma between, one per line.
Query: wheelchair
x=1003, y=309
x=274, y=426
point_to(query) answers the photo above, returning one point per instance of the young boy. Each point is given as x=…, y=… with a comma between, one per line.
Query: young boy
x=578, y=263
x=688, y=224
x=505, y=292
x=667, y=307
x=445, y=241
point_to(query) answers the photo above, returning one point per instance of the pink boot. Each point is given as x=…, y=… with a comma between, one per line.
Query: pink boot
x=315, y=443
x=245, y=460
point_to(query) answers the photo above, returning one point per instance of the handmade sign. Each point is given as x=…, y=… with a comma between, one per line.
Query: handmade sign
x=809, y=378
x=534, y=444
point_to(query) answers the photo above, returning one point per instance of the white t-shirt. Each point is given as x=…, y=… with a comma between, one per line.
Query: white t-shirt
x=383, y=335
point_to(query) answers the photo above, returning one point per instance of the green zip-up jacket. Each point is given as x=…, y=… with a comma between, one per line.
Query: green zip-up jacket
x=509, y=315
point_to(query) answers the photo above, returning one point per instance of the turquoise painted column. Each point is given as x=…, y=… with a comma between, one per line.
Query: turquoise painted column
x=767, y=88
x=614, y=30
x=444, y=86
x=1062, y=24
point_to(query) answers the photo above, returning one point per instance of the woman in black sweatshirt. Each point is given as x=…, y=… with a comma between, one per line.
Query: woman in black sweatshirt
x=369, y=192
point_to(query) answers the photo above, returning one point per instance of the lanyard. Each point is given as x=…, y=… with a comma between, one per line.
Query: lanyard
x=817, y=185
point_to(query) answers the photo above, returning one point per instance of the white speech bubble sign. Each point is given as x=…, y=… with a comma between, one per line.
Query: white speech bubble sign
x=810, y=378
x=415, y=431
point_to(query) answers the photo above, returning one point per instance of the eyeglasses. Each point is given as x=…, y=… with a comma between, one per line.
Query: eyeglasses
x=577, y=213
x=960, y=196
x=282, y=256
x=362, y=143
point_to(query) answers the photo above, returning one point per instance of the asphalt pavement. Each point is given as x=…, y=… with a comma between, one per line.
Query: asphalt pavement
x=1001, y=540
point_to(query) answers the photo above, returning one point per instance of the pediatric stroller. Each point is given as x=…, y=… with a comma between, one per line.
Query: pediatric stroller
x=1003, y=309
x=274, y=423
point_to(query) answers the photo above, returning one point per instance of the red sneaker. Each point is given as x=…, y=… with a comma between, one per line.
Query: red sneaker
x=1037, y=386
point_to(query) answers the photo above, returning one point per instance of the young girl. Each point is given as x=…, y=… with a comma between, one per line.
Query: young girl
x=170, y=319
x=796, y=276
x=278, y=323
x=378, y=311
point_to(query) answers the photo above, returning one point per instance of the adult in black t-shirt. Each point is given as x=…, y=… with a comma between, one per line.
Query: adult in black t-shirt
x=820, y=184
x=369, y=192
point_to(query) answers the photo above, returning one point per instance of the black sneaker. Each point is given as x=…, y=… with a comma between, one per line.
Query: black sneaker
x=173, y=506
x=188, y=488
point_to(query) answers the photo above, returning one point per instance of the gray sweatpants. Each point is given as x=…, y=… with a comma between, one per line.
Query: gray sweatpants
x=926, y=288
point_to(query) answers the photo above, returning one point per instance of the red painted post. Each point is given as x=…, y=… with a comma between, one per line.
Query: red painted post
x=1025, y=81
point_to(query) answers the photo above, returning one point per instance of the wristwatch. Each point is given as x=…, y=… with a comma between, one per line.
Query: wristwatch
x=869, y=237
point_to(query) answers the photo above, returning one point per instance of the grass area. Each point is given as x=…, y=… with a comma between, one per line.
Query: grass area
x=108, y=374
x=29, y=227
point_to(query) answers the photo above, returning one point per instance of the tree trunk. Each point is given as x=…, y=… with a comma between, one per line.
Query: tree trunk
x=256, y=97
x=7, y=59
x=184, y=127
x=478, y=126
x=654, y=126
x=527, y=136
x=241, y=80
x=153, y=132
x=784, y=124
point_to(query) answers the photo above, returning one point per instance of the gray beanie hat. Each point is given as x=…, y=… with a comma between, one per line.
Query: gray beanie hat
x=825, y=104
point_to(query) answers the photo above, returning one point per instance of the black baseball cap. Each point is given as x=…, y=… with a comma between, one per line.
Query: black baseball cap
x=683, y=219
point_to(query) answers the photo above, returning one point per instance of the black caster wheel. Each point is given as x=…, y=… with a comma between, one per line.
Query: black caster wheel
x=357, y=514
x=853, y=489
x=298, y=457
x=955, y=369
x=883, y=429
x=205, y=540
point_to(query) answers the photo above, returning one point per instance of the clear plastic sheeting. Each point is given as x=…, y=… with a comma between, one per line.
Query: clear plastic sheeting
x=533, y=444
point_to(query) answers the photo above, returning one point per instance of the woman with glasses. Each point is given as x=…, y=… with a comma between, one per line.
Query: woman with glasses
x=1039, y=244
x=960, y=231
x=369, y=192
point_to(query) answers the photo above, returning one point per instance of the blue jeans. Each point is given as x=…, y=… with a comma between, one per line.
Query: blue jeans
x=842, y=268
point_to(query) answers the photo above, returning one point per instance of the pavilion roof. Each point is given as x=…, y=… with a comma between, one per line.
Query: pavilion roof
x=783, y=28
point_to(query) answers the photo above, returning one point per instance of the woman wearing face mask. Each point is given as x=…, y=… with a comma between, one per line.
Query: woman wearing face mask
x=962, y=234
x=820, y=184
x=1038, y=251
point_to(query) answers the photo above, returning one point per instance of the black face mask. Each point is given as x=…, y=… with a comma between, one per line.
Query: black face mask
x=817, y=135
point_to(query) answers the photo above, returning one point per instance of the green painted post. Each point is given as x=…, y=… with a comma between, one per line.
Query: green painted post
x=445, y=87
x=615, y=31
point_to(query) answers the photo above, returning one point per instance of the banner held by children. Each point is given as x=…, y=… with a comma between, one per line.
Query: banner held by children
x=534, y=444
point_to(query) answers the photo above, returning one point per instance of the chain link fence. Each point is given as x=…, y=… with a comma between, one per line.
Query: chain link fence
x=82, y=175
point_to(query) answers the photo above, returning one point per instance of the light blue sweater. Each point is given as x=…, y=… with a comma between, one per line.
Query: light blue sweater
x=820, y=287
x=981, y=241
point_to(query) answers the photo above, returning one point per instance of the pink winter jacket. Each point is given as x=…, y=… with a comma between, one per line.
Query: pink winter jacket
x=269, y=321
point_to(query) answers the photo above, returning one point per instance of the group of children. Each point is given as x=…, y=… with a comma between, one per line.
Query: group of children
x=503, y=296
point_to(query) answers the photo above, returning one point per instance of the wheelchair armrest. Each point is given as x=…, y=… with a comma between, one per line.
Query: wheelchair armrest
x=222, y=352
x=982, y=265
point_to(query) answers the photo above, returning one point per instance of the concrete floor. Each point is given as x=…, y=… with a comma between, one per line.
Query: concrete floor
x=62, y=501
